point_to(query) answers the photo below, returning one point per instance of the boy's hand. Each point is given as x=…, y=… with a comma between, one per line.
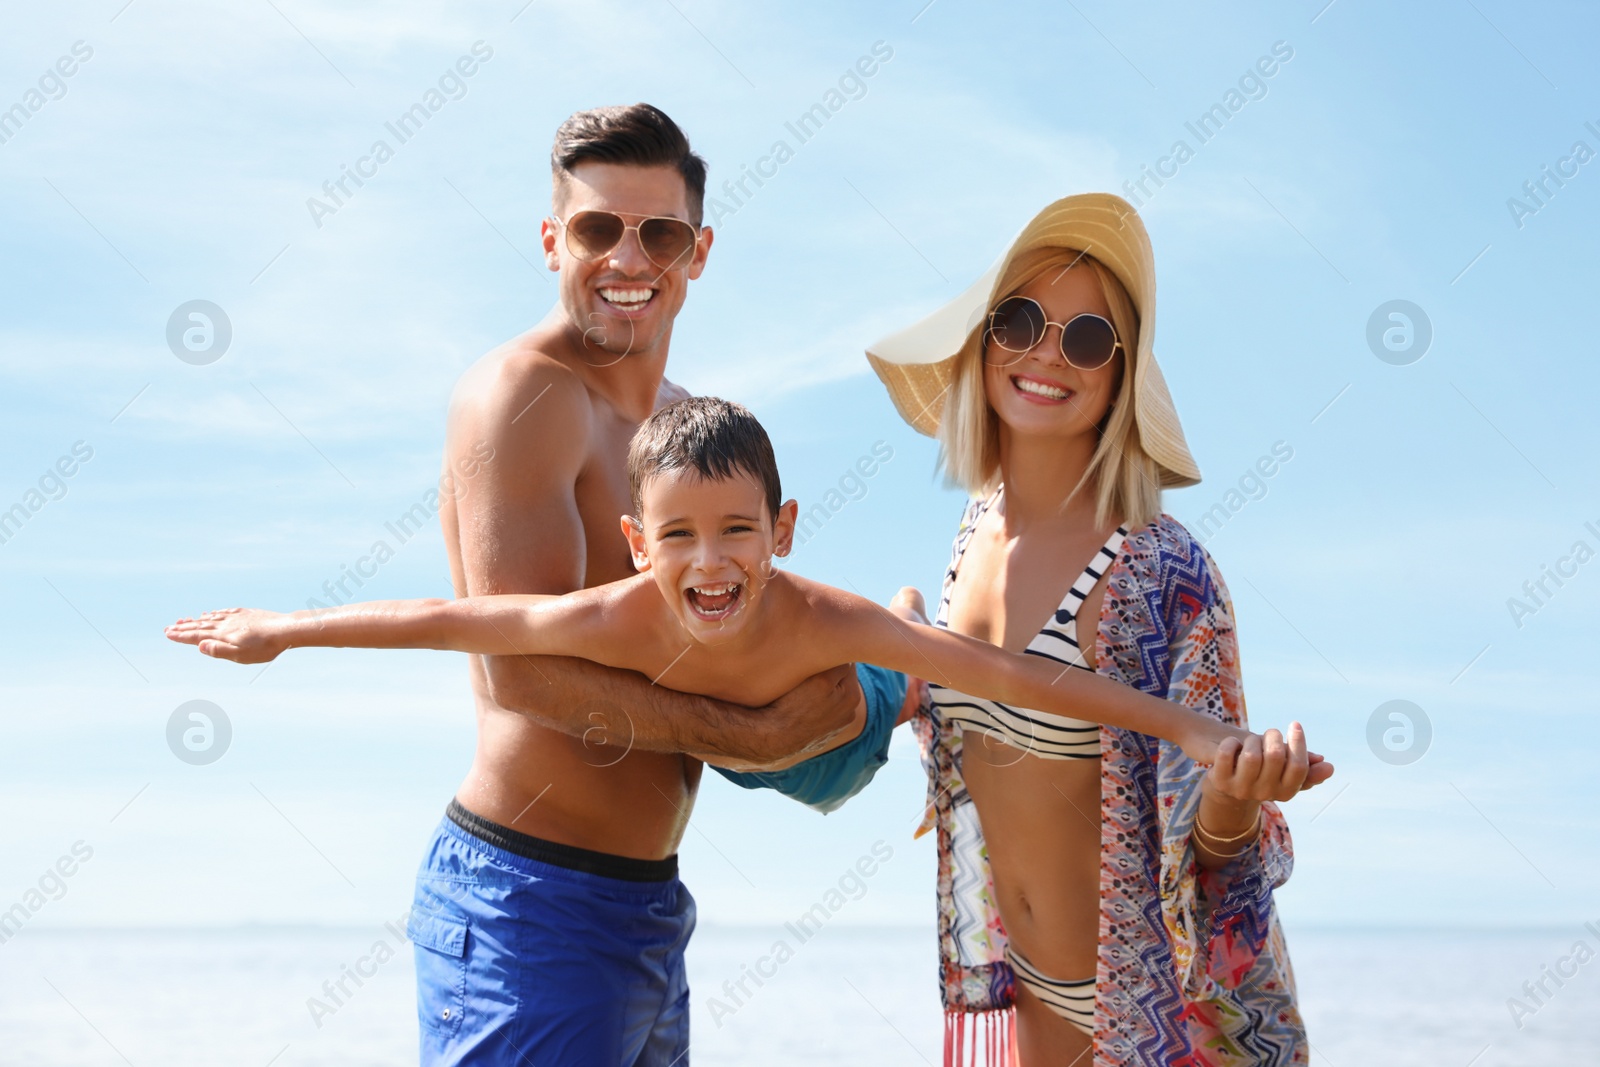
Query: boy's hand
x=916, y=697
x=908, y=604
x=243, y=635
x=1267, y=766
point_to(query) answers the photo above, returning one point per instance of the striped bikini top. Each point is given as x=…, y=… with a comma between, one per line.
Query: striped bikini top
x=1040, y=733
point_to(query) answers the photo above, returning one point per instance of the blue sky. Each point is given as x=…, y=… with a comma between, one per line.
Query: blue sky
x=1375, y=164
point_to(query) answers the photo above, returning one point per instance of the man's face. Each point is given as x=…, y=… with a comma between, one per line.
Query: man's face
x=709, y=543
x=623, y=303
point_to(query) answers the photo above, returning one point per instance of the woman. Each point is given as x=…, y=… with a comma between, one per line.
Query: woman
x=1116, y=894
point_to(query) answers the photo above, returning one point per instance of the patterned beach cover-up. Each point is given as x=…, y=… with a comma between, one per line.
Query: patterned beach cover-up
x=1193, y=970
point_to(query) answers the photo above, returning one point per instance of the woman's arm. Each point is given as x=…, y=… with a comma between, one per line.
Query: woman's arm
x=489, y=625
x=871, y=634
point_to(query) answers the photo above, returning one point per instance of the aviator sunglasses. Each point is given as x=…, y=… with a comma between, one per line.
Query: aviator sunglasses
x=1088, y=341
x=666, y=242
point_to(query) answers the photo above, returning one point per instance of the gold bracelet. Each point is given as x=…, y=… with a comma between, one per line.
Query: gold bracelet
x=1212, y=838
x=1229, y=855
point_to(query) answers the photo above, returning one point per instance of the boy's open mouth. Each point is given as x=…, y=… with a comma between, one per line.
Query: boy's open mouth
x=714, y=602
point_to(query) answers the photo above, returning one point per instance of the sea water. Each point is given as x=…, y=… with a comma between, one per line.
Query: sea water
x=296, y=997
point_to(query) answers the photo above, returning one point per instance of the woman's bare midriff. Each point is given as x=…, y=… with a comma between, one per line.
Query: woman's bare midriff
x=1041, y=823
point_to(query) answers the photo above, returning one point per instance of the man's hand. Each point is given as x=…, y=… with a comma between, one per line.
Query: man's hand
x=806, y=720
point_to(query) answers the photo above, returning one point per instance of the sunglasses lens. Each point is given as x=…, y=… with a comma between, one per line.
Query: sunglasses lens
x=591, y=234
x=667, y=242
x=1088, y=342
x=1015, y=326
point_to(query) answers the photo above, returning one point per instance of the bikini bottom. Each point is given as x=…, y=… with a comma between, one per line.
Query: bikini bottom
x=1073, y=1001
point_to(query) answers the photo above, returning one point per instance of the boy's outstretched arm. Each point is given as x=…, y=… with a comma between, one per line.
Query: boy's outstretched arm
x=492, y=625
x=977, y=667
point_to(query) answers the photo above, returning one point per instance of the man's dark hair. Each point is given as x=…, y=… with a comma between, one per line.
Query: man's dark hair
x=639, y=135
x=708, y=435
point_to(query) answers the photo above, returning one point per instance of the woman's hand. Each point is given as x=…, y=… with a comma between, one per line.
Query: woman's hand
x=1266, y=766
x=243, y=635
x=1247, y=766
x=1246, y=774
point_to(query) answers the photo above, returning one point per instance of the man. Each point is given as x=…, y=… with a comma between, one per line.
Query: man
x=549, y=921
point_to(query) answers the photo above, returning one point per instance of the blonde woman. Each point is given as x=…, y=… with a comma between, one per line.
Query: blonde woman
x=1097, y=889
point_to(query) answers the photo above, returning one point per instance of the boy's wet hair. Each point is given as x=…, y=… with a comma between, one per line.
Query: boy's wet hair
x=713, y=437
x=639, y=135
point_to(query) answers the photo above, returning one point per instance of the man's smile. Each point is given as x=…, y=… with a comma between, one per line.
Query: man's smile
x=627, y=300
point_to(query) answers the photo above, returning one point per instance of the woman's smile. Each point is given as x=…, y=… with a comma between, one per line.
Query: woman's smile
x=1037, y=390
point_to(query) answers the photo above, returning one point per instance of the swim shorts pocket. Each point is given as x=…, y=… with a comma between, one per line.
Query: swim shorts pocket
x=441, y=944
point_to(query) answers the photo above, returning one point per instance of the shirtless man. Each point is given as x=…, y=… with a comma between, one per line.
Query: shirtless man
x=549, y=922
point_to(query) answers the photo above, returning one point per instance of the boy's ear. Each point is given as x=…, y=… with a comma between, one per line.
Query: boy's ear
x=635, y=535
x=783, y=527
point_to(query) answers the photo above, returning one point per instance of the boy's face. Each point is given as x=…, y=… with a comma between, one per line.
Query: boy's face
x=709, y=543
x=622, y=301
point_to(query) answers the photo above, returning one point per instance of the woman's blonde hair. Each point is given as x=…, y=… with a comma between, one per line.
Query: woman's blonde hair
x=1123, y=477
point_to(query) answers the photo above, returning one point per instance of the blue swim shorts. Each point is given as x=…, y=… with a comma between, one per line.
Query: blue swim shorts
x=826, y=781
x=529, y=951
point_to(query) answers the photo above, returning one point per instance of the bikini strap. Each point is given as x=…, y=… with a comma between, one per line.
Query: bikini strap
x=1067, y=613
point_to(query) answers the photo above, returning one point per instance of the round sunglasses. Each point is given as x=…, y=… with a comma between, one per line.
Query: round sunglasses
x=666, y=242
x=1018, y=323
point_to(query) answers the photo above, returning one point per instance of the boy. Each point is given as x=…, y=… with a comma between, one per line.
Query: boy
x=709, y=614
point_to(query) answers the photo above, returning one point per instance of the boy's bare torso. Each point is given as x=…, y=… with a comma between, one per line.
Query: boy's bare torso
x=797, y=632
x=525, y=776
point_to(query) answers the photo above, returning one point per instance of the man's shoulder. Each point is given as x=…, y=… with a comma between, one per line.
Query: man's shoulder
x=522, y=391
x=521, y=369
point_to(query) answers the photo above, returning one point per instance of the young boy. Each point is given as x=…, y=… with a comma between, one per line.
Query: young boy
x=710, y=614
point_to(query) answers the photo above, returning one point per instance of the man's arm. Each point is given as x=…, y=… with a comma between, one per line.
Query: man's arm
x=797, y=726
x=520, y=531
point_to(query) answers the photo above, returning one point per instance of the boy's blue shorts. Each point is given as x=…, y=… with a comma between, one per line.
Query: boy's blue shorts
x=825, y=782
x=529, y=951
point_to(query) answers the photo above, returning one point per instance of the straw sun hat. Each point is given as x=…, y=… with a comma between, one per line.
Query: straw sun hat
x=918, y=363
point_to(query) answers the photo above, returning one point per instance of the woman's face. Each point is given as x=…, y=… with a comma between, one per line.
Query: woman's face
x=1040, y=393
